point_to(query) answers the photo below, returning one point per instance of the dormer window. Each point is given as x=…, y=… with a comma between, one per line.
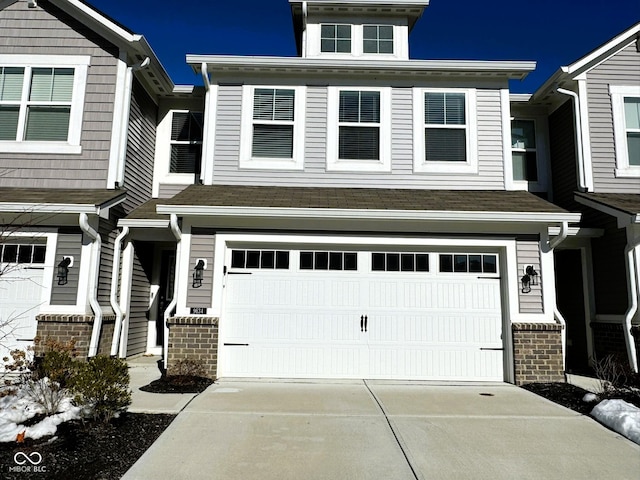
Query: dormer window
x=377, y=39
x=335, y=38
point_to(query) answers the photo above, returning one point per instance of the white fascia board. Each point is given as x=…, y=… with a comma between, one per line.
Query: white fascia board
x=334, y=213
x=519, y=97
x=92, y=14
x=143, y=223
x=514, y=69
x=624, y=218
x=395, y=3
x=49, y=208
x=596, y=57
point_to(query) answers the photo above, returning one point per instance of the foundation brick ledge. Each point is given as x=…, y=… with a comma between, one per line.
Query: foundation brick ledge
x=193, y=321
x=537, y=352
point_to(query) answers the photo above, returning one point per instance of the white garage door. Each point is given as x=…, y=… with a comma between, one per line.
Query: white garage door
x=362, y=315
x=20, y=294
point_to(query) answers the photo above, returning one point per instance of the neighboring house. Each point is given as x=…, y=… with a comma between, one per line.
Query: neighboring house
x=360, y=214
x=593, y=109
x=80, y=98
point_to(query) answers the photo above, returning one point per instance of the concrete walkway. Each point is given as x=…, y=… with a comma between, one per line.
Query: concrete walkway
x=382, y=430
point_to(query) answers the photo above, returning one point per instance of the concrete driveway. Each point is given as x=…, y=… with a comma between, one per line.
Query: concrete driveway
x=382, y=430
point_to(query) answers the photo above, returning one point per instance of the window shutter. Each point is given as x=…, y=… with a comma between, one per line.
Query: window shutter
x=47, y=123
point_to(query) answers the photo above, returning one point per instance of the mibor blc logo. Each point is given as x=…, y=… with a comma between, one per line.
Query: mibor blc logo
x=28, y=463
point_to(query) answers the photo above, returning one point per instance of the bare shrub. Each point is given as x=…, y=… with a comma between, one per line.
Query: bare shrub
x=613, y=373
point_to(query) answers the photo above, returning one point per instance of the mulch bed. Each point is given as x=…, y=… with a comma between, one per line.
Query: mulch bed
x=178, y=384
x=571, y=396
x=91, y=451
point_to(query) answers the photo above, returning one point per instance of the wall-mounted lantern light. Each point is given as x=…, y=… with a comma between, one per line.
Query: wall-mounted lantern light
x=63, y=270
x=198, y=272
x=530, y=278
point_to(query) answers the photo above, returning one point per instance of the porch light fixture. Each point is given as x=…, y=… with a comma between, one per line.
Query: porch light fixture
x=198, y=272
x=530, y=278
x=63, y=270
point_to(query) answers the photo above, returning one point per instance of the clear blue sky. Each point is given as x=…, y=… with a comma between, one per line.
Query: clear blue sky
x=551, y=32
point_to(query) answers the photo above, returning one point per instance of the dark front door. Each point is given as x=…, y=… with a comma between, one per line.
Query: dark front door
x=570, y=300
x=167, y=279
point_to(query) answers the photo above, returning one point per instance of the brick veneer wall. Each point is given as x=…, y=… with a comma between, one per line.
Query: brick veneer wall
x=608, y=339
x=194, y=338
x=64, y=328
x=537, y=352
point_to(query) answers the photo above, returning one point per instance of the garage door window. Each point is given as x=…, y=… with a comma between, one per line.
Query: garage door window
x=464, y=263
x=400, y=262
x=261, y=259
x=15, y=253
x=328, y=261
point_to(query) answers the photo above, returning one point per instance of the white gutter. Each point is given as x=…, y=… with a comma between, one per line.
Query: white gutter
x=124, y=120
x=564, y=231
x=115, y=305
x=175, y=229
x=209, y=111
x=94, y=272
x=632, y=272
x=376, y=214
x=582, y=184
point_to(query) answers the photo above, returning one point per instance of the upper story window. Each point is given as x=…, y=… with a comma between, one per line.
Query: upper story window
x=377, y=39
x=335, y=38
x=626, y=126
x=358, y=129
x=41, y=103
x=524, y=151
x=273, y=127
x=186, y=142
x=445, y=131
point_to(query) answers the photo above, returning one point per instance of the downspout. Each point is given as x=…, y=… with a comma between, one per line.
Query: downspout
x=175, y=229
x=305, y=13
x=632, y=271
x=93, y=282
x=204, y=172
x=125, y=117
x=582, y=184
x=564, y=231
x=113, y=297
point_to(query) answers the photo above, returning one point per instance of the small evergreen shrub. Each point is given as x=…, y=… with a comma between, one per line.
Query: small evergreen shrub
x=102, y=385
x=187, y=367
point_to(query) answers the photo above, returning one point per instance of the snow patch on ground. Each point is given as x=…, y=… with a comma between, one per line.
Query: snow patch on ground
x=18, y=408
x=620, y=416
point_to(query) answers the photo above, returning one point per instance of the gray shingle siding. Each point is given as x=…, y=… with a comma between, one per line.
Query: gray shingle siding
x=622, y=69
x=69, y=244
x=138, y=174
x=227, y=147
x=563, y=156
x=528, y=253
x=202, y=246
x=139, y=306
x=47, y=30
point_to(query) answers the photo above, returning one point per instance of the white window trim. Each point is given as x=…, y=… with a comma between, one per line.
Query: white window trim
x=618, y=94
x=540, y=126
x=80, y=64
x=246, y=131
x=422, y=166
x=333, y=131
x=181, y=178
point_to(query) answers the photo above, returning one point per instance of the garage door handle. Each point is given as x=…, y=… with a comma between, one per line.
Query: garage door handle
x=492, y=349
x=363, y=323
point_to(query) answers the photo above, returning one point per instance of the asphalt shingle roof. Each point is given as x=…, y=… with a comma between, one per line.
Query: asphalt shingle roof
x=66, y=196
x=625, y=202
x=362, y=198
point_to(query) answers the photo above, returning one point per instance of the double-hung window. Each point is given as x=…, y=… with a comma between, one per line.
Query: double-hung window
x=335, y=38
x=523, y=150
x=445, y=131
x=377, y=39
x=626, y=126
x=273, y=124
x=41, y=103
x=358, y=129
x=186, y=142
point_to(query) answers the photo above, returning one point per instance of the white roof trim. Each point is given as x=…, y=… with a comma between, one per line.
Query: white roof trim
x=49, y=208
x=624, y=218
x=335, y=213
x=619, y=42
x=518, y=69
x=143, y=223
